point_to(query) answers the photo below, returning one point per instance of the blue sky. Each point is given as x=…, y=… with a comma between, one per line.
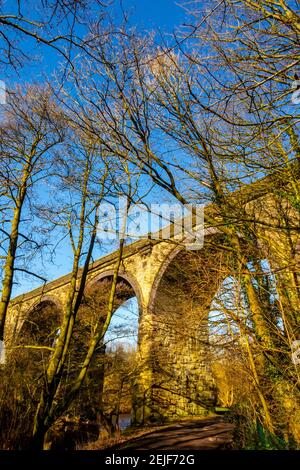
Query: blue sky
x=162, y=16
x=153, y=14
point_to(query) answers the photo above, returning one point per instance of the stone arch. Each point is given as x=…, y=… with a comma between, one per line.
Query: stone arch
x=93, y=308
x=41, y=321
x=164, y=266
x=46, y=299
x=125, y=276
x=98, y=289
x=195, y=271
x=176, y=252
x=32, y=344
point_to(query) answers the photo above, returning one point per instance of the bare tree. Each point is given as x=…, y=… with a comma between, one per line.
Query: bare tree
x=32, y=130
x=56, y=24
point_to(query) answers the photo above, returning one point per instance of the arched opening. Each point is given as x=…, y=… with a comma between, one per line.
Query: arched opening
x=36, y=338
x=250, y=329
x=123, y=328
x=27, y=361
x=106, y=396
x=41, y=324
x=227, y=315
x=35, y=341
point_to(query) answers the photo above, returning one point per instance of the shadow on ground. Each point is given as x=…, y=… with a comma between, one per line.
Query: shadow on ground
x=203, y=434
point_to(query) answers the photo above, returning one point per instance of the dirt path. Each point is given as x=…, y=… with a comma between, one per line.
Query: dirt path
x=205, y=434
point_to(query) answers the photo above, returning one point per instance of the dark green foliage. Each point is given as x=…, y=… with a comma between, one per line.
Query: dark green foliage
x=249, y=433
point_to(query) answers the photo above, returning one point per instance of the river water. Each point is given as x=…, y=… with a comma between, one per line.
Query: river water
x=124, y=421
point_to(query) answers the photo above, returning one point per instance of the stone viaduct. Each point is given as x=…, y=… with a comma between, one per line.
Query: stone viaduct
x=174, y=288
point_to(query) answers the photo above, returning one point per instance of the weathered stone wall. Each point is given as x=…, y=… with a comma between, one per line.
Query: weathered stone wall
x=176, y=379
